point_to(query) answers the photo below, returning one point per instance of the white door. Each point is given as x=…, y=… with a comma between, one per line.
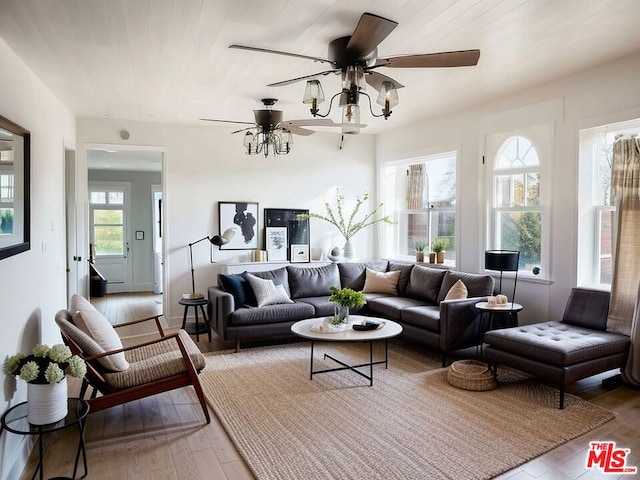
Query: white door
x=71, y=225
x=157, y=238
x=109, y=233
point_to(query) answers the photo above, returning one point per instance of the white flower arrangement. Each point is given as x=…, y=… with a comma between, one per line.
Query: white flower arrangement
x=45, y=364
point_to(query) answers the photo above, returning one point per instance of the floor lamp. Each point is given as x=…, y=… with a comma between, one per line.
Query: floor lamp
x=217, y=240
x=503, y=261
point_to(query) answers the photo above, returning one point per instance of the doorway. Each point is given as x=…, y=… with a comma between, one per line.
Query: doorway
x=122, y=184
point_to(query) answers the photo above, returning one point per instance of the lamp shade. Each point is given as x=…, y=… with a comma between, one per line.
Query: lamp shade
x=502, y=260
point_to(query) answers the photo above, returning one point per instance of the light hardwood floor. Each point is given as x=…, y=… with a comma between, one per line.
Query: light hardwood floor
x=165, y=437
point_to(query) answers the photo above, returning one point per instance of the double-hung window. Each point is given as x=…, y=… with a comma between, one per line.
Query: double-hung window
x=517, y=195
x=420, y=195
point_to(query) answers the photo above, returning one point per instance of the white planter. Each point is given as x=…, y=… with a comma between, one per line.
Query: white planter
x=46, y=403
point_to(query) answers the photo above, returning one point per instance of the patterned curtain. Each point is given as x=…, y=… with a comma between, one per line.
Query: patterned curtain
x=416, y=186
x=624, y=310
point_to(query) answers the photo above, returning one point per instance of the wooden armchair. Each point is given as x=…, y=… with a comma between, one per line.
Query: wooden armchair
x=168, y=362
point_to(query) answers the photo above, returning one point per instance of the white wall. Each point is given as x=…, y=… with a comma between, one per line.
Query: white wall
x=596, y=96
x=206, y=164
x=32, y=284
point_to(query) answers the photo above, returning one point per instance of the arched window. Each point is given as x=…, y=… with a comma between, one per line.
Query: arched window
x=517, y=213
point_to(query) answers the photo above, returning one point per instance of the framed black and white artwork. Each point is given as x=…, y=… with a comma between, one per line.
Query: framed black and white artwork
x=297, y=230
x=299, y=253
x=276, y=243
x=239, y=223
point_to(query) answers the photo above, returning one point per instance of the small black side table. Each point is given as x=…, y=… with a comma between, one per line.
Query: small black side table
x=195, y=328
x=15, y=421
x=500, y=316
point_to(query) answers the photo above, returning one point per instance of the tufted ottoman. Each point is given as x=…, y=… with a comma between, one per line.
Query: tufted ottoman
x=562, y=352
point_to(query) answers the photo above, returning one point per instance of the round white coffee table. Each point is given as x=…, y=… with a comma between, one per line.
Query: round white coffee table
x=388, y=330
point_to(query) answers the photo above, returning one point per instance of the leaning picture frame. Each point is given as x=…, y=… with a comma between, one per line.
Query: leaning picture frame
x=299, y=253
x=276, y=243
x=239, y=222
x=297, y=230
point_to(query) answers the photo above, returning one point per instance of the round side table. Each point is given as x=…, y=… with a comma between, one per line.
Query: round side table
x=195, y=328
x=15, y=421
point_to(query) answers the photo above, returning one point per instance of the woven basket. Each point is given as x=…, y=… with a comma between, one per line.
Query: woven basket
x=471, y=375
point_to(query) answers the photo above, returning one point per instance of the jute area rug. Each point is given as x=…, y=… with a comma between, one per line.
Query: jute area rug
x=411, y=424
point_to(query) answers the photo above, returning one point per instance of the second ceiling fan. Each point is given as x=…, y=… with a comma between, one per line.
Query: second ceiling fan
x=355, y=57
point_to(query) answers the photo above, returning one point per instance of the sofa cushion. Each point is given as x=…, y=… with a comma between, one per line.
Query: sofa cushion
x=267, y=292
x=381, y=282
x=280, y=276
x=352, y=274
x=424, y=283
x=477, y=285
x=423, y=316
x=238, y=286
x=391, y=306
x=322, y=306
x=457, y=292
x=557, y=343
x=405, y=272
x=94, y=324
x=313, y=281
x=285, y=312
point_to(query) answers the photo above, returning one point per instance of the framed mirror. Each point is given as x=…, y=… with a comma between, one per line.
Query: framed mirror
x=15, y=215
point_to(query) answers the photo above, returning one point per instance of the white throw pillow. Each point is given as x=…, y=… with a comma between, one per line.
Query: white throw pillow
x=457, y=292
x=267, y=292
x=381, y=282
x=94, y=324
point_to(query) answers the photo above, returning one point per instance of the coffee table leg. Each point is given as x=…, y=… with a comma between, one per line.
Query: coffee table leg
x=311, y=363
x=371, y=363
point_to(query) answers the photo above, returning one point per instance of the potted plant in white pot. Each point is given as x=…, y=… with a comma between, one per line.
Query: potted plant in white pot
x=45, y=370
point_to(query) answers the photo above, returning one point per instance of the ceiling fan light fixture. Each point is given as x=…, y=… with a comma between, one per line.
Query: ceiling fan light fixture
x=249, y=142
x=351, y=119
x=387, y=98
x=313, y=95
x=283, y=141
x=353, y=78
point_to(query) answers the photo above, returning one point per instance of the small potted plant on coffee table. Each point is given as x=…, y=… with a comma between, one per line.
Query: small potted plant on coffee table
x=344, y=298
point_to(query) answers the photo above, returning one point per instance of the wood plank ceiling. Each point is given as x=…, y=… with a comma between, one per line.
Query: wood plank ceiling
x=168, y=60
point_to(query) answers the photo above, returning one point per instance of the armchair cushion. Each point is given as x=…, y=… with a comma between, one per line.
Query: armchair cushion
x=156, y=361
x=94, y=324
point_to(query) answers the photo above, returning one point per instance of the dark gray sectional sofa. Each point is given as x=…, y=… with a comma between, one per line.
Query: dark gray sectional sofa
x=419, y=306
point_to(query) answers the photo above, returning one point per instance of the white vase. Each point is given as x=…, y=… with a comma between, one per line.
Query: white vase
x=46, y=403
x=349, y=253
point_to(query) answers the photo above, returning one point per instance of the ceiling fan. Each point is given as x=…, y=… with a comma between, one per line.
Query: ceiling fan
x=355, y=57
x=270, y=132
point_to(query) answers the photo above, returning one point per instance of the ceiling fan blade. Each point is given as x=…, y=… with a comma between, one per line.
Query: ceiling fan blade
x=313, y=122
x=463, y=58
x=294, y=80
x=369, y=33
x=226, y=121
x=375, y=79
x=276, y=52
x=244, y=129
x=296, y=130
